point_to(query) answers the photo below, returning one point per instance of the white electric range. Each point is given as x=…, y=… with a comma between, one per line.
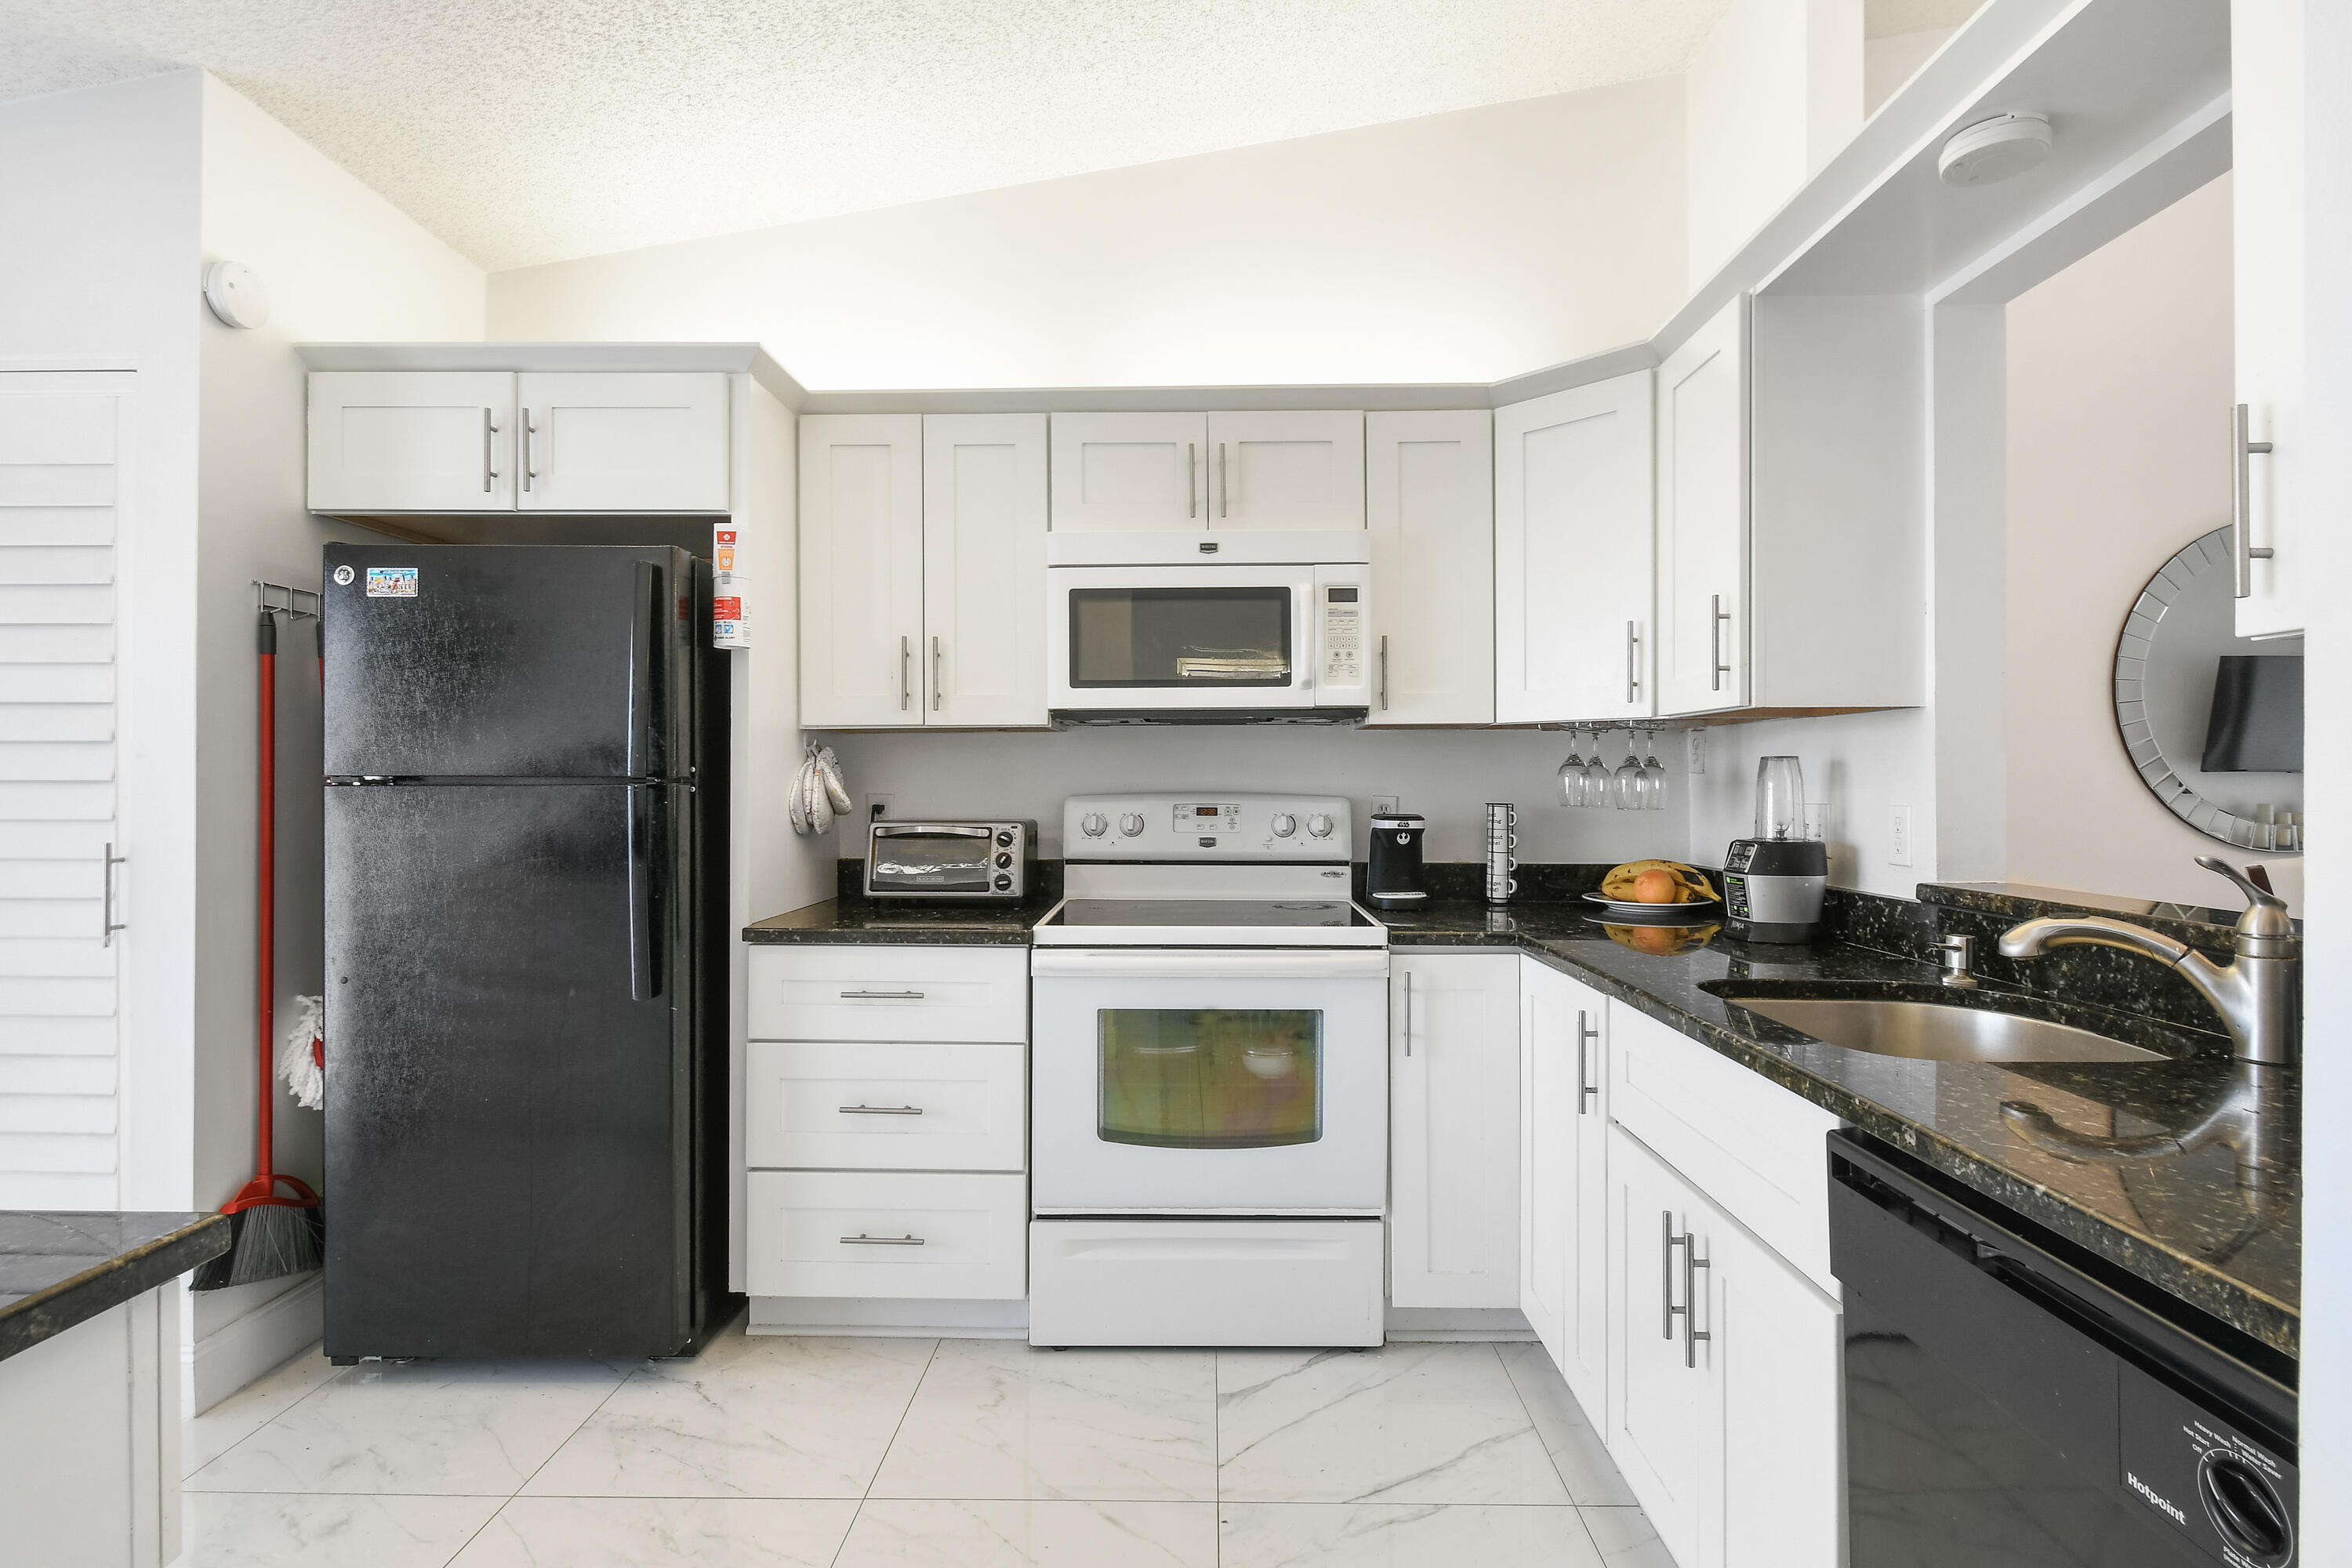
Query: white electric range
x=1209, y=1099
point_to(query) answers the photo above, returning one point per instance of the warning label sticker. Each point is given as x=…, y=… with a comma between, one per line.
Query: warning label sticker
x=392, y=582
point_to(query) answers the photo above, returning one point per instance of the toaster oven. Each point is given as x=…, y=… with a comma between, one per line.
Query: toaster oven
x=996, y=861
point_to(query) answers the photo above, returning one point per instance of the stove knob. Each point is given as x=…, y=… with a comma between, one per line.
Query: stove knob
x=1285, y=824
x=1004, y=839
x=1003, y=860
x=1095, y=824
x=1130, y=824
x=1319, y=825
x=1004, y=883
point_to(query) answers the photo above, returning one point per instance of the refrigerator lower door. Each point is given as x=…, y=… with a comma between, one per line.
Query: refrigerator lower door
x=511, y=1070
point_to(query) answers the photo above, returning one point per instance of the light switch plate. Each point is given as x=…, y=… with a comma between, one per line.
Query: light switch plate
x=1898, y=849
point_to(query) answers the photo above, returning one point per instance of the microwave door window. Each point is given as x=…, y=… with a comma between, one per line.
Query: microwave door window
x=1181, y=639
x=933, y=862
x=1209, y=1079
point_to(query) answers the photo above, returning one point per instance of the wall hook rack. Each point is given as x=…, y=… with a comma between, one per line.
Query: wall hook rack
x=279, y=599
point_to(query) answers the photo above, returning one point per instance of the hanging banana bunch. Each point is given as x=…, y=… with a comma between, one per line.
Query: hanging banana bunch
x=817, y=794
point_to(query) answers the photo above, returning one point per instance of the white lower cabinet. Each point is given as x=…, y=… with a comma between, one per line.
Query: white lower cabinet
x=1724, y=1408
x=1563, y=1195
x=887, y=1234
x=1453, y=1164
x=860, y=1106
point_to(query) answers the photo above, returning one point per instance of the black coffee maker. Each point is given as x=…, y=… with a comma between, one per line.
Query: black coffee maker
x=1393, y=880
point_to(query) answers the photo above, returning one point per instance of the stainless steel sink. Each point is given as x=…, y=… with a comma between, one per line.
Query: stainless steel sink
x=1933, y=1031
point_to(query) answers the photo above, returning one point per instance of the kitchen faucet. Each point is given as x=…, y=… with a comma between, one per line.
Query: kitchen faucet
x=2257, y=992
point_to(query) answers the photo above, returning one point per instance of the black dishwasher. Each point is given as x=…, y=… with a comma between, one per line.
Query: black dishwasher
x=2013, y=1399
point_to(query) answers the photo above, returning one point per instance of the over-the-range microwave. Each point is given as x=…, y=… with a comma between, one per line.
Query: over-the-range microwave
x=1211, y=626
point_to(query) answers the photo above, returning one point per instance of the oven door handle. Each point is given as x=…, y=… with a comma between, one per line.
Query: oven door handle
x=1207, y=963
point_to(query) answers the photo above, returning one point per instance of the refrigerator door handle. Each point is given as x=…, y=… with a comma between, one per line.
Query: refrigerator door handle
x=645, y=646
x=644, y=976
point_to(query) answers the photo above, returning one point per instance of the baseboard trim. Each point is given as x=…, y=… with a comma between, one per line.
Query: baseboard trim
x=1469, y=1323
x=269, y=1336
x=860, y=1317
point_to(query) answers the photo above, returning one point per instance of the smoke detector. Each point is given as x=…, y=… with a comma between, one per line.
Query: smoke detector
x=1993, y=149
x=237, y=294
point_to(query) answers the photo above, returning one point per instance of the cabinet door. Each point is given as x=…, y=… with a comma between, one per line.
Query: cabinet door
x=611, y=442
x=1662, y=1408
x=412, y=440
x=1287, y=469
x=1546, y=1153
x=984, y=569
x=1584, y=1357
x=1454, y=1206
x=2266, y=63
x=1777, y=1354
x=861, y=586
x=1130, y=471
x=1429, y=500
x=1703, y=619
x=1573, y=559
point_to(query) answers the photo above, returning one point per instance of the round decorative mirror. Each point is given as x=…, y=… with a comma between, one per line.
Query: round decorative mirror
x=2213, y=722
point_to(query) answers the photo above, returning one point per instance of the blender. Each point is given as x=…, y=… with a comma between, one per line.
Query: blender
x=1773, y=884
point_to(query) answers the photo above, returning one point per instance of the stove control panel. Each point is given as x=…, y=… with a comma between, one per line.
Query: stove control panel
x=1224, y=827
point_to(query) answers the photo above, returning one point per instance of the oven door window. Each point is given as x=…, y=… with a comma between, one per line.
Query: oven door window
x=1181, y=639
x=933, y=862
x=1210, y=1078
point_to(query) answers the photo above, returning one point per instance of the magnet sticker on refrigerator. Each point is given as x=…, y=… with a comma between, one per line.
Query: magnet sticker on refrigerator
x=392, y=582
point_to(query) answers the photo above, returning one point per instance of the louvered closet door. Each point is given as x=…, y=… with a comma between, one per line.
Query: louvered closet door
x=58, y=484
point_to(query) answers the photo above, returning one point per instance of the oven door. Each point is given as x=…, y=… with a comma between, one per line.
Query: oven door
x=1209, y=1082
x=1132, y=638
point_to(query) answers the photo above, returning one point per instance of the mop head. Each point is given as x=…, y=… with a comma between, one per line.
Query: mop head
x=299, y=1063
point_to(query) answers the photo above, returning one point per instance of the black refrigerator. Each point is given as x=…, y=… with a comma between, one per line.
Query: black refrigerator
x=526, y=1017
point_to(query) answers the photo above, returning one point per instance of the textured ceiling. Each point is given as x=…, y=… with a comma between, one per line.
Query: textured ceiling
x=1883, y=18
x=529, y=131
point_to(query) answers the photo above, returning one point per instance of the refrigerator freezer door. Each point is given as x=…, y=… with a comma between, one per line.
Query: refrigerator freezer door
x=460, y=661
x=509, y=1134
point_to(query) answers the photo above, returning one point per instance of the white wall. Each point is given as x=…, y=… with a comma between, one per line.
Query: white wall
x=2119, y=369
x=1462, y=246
x=1446, y=775
x=98, y=266
x=1888, y=62
x=1772, y=95
x=1859, y=765
x=341, y=263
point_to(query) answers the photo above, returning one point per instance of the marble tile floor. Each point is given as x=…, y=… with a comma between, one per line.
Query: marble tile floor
x=847, y=1453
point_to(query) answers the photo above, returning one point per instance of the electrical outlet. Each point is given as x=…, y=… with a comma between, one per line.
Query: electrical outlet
x=1697, y=741
x=1383, y=803
x=1899, y=848
x=878, y=806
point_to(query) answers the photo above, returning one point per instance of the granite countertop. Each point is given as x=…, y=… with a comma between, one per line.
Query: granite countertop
x=868, y=921
x=61, y=1268
x=2186, y=1173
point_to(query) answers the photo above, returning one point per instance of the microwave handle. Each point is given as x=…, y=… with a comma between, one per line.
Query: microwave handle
x=936, y=830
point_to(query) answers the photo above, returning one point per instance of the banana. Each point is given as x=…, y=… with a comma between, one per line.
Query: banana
x=1619, y=883
x=796, y=801
x=829, y=766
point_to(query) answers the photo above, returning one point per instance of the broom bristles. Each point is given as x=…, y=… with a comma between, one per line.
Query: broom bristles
x=268, y=1240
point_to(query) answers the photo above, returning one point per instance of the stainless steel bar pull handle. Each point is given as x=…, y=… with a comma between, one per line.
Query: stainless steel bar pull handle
x=1718, y=615
x=862, y=1239
x=489, y=428
x=1692, y=1333
x=882, y=995
x=1191, y=478
x=2241, y=498
x=1666, y=1245
x=881, y=1110
x=935, y=675
x=107, y=924
x=523, y=425
x=1384, y=672
x=1633, y=660
x=1585, y=1088
x=905, y=661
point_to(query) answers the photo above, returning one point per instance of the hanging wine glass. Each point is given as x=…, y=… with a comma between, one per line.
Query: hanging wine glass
x=1571, y=775
x=1629, y=777
x=1654, y=777
x=1596, y=773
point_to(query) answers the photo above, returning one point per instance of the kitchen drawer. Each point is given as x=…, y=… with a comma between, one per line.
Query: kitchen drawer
x=895, y=1107
x=893, y=993
x=961, y=1238
x=1752, y=1147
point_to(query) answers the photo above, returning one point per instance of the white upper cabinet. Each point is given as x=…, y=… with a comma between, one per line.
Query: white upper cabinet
x=1702, y=551
x=412, y=441
x=861, y=586
x=1573, y=554
x=1564, y=1200
x=1130, y=471
x=1287, y=469
x=2267, y=69
x=1453, y=1079
x=1429, y=500
x=610, y=442
x=984, y=569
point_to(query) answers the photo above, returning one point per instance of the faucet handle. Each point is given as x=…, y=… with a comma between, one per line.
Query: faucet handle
x=2257, y=896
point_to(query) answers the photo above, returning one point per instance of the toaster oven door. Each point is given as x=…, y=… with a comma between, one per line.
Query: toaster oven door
x=932, y=859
